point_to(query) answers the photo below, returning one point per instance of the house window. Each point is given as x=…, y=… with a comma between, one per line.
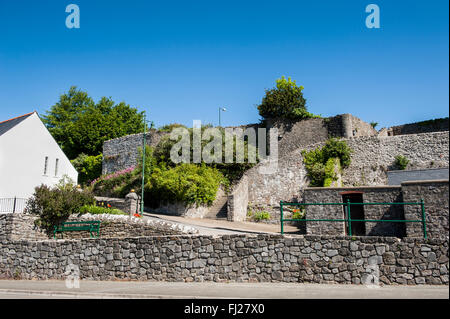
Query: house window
x=56, y=167
x=46, y=165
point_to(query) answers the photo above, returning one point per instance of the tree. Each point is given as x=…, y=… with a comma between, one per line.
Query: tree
x=79, y=125
x=88, y=167
x=284, y=101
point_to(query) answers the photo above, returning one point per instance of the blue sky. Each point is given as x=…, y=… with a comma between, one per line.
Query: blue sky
x=181, y=60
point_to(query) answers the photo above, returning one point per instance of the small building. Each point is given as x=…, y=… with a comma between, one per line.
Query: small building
x=434, y=193
x=29, y=157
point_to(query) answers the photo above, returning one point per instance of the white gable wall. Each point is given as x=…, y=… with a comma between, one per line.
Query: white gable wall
x=22, y=158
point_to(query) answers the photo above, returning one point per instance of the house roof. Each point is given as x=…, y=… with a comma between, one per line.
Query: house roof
x=5, y=126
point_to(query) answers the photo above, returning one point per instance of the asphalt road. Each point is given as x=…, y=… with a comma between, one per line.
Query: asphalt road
x=52, y=289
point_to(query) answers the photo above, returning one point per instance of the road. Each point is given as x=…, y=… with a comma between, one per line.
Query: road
x=51, y=289
x=207, y=226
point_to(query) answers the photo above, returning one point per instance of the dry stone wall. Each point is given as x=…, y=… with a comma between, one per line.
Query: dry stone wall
x=237, y=258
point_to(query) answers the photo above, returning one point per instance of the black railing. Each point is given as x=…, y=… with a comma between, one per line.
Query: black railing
x=12, y=205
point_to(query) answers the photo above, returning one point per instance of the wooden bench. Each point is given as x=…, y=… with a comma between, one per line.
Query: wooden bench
x=90, y=226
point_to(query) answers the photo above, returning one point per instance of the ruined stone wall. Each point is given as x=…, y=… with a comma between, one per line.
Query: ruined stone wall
x=436, y=125
x=237, y=258
x=123, y=152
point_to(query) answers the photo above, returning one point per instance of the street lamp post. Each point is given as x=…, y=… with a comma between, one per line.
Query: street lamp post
x=221, y=109
x=143, y=164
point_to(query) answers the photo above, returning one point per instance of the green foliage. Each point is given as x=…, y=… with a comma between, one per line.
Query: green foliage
x=88, y=167
x=232, y=171
x=53, y=206
x=401, y=162
x=260, y=215
x=169, y=127
x=95, y=210
x=79, y=125
x=330, y=173
x=187, y=183
x=317, y=159
x=373, y=124
x=284, y=101
x=118, y=184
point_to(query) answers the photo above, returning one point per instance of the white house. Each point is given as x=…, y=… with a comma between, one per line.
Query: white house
x=29, y=157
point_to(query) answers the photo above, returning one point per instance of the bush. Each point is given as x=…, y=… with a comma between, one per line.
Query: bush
x=261, y=215
x=53, y=206
x=284, y=101
x=88, y=167
x=401, y=162
x=187, y=183
x=93, y=209
x=318, y=165
x=330, y=173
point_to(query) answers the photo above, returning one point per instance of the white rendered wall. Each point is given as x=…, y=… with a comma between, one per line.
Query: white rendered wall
x=22, y=157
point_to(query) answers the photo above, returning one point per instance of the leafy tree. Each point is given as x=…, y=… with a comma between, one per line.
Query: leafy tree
x=80, y=125
x=284, y=101
x=88, y=167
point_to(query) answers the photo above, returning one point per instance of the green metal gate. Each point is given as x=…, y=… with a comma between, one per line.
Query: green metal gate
x=349, y=220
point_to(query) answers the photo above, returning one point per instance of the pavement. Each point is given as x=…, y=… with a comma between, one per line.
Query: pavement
x=56, y=289
x=208, y=226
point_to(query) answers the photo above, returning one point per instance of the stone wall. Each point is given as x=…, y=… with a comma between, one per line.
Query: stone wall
x=21, y=227
x=436, y=125
x=236, y=258
x=123, y=152
x=299, y=134
x=238, y=201
x=373, y=156
x=15, y=226
x=181, y=209
x=435, y=195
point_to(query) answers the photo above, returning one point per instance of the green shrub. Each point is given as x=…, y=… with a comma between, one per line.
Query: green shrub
x=374, y=124
x=170, y=127
x=330, y=173
x=284, y=101
x=299, y=213
x=93, y=209
x=88, y=167
x=260, y=215
x=317, y=162
x=54, y=205
x=187, y=183
x=401, y=162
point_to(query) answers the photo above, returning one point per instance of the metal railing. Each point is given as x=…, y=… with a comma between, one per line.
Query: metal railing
x=349, y=220
x=12, y=205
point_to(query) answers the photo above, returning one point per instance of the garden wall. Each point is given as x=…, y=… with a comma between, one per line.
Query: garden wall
x=21, y=227
x=239, y=258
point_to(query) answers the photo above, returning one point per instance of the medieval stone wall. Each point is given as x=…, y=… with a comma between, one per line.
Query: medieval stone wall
x=123, y=152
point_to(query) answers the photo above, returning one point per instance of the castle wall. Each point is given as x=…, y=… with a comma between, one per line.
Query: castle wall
x=123, y=152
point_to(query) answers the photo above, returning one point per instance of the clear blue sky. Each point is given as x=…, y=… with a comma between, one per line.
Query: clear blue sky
x=181, y=60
